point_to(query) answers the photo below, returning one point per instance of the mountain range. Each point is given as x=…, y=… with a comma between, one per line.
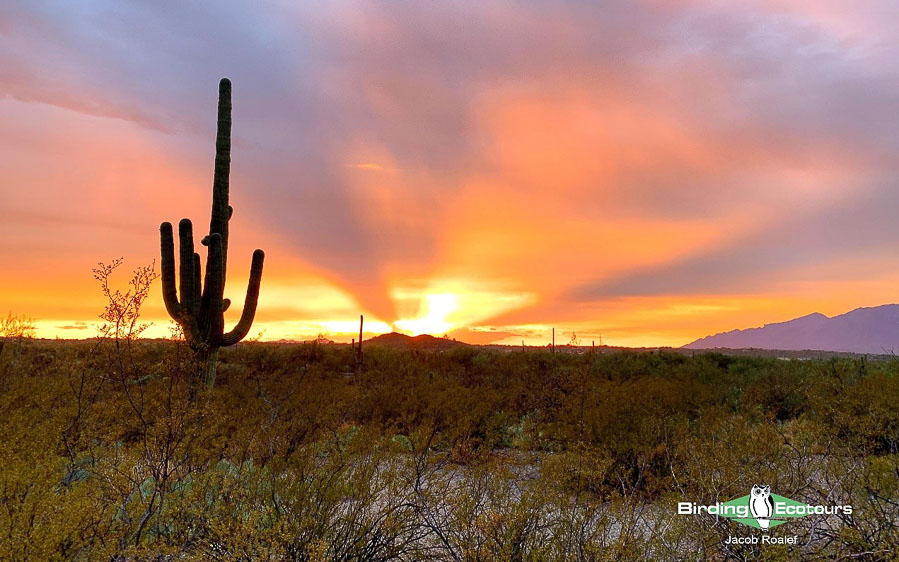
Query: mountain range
x=872, y=330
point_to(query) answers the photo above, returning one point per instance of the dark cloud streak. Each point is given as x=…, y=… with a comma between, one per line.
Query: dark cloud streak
x=777, y=253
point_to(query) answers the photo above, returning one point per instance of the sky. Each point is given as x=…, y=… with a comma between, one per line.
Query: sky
x=642, y=173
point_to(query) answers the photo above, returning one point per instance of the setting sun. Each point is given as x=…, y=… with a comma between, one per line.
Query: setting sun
x=437, y=308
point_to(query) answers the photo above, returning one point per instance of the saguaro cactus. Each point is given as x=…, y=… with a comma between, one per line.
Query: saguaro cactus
x=200, y=311
x=359, y=349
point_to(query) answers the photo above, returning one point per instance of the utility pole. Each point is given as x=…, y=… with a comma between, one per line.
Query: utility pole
x=554, y=341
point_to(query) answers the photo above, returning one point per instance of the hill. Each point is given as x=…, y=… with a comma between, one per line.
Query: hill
x=424, y=341
x=864, y=330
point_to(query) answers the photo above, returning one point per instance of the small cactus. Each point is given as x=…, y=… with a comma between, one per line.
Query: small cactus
x=200, y=311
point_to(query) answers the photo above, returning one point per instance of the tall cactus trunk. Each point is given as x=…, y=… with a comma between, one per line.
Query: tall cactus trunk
x=207, y=365
x=201, y=310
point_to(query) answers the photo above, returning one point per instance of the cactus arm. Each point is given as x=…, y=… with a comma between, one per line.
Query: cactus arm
x=198, y=287
x=188, y=318
x=212, y=321
x=169, y=291
x=242, y=328
x=221, y=210
x=186, y=248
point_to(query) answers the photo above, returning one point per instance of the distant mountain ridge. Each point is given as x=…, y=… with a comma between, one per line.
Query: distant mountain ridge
x=871, y=330
x=423, y=341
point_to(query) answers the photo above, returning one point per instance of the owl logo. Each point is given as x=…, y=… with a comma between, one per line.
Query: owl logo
x=761, y=505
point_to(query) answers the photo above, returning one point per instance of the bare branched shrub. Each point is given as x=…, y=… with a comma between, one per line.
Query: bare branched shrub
x=121, y=313
x=135, y=420
x=15, y=329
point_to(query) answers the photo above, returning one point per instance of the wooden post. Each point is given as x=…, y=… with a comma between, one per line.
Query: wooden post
x=554, y=341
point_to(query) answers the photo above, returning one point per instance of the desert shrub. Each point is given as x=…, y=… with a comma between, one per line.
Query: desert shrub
x=466, y=454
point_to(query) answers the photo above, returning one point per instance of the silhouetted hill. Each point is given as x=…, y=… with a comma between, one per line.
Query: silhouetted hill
x=423, y=341
x=863, y=330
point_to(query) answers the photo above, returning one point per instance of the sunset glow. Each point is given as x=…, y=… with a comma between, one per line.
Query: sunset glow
x=644, y=173
x=434, y=319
